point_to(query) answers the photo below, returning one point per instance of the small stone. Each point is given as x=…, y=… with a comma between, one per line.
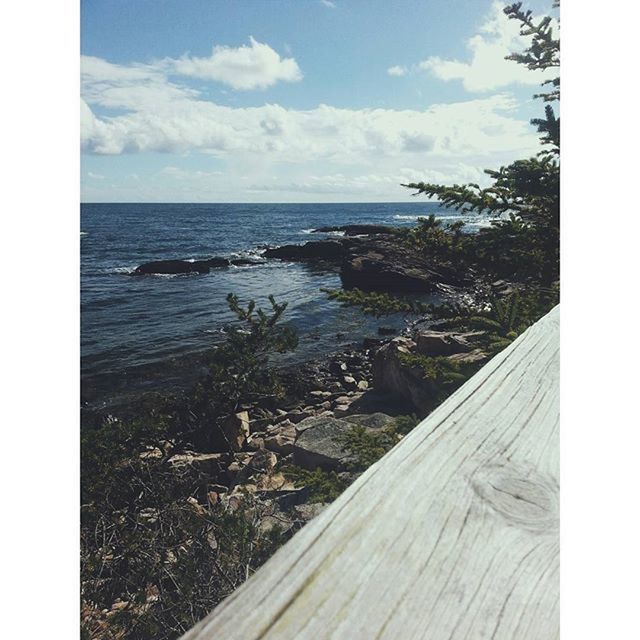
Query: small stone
x=197, y=507
x=264, y=460
x=298, y=416
x=363, y=385
x=317, y=396
x=473, y=357
x=341, y=410
x=148, y=515
x=255, y=443
x=208, y=463
x=236, y=429
x=349, y=382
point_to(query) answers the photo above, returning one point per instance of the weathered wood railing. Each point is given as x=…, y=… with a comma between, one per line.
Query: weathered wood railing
x=453, y=534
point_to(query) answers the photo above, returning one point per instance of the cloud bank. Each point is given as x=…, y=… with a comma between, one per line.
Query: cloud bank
x=256, y=66
x=159, y=115
x=269, y=152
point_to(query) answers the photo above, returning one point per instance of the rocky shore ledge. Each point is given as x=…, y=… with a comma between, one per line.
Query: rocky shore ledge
x=369, y=258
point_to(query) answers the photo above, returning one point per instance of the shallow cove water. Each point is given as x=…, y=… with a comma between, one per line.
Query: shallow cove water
x=130, y=326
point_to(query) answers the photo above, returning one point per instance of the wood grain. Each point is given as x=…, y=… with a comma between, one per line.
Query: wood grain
x=452, y=535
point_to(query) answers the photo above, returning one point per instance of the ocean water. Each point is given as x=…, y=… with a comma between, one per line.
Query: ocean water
x=136, y=323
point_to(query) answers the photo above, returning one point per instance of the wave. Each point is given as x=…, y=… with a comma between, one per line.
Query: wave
x=400, y=216
x=119, y=270
x=470, y=220
x=326, y=233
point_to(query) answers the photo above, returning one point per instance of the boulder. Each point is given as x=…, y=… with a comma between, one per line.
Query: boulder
x=381, y=263
x=374, y=271
x=318, y=444
x=298, y=415
x=210, y=464
x=171, y=267
x=392, y=376
x=281, y=441
x=307, y=512
x=236, y=430
x=376, y=420
x=274, y=483
x=374, y=401
x=341, y=410
x=322, y=250
x=473, y=357
x=442, y=343
x=349, y=382
x=264, y=460
x=175, y=267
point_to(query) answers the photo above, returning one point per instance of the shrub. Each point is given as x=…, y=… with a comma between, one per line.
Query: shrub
x=323, y=486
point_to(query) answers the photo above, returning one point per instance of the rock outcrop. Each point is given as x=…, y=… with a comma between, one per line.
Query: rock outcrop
x=314, y=250
x=178, y=267
x=318, y=443
x=174, y=267
x=394, y=375
x=443, y=343
x=358, y=229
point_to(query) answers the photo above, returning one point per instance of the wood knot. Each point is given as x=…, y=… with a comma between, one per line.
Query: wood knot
x=527, y=499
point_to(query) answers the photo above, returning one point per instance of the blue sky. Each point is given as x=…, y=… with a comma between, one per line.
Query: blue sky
x=297, y=101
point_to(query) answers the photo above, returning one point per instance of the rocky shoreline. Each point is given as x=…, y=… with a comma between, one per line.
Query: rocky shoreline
x=369, y=257
x=269, y=465
x=246, y=462
x=369, y=385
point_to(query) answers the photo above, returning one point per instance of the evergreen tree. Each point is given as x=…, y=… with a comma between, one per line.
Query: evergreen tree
x=528, y=190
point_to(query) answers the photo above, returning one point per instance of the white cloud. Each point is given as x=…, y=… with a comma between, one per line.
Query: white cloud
x=253, y=66
x=162, y=116
x=397, y=71
x=273, y=153
x=328, y=3
x=487, y=70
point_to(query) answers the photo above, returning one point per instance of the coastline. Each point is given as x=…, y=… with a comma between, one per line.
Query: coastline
x=119, y=392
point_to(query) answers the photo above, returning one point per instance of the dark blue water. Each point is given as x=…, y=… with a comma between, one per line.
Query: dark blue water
x=132, y=321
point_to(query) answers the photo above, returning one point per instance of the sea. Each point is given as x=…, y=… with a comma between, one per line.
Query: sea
x=135, y=329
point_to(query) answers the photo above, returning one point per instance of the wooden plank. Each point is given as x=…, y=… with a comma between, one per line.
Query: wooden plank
x=452, y=535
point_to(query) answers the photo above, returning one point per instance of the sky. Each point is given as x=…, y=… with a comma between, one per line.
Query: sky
x=298, y=100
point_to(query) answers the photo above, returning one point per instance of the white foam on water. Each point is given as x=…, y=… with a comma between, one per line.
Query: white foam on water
x=400, y=216
x=469, y=220
x=125, y=270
